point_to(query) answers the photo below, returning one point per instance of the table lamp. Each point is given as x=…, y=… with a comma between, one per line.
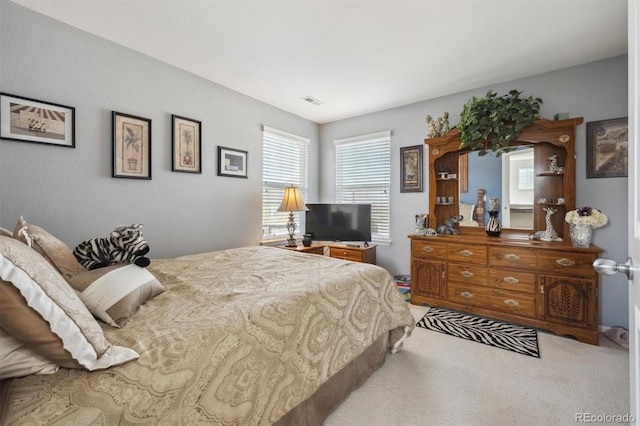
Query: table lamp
x=291, y=202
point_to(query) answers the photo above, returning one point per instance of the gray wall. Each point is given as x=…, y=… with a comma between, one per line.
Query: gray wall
x=71, y=193
x=594, y=91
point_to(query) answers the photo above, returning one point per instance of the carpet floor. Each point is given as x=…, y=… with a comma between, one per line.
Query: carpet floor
x=438, y=379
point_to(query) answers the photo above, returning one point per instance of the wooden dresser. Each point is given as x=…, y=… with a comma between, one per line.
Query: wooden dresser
x=545, y=285
x=549, y=285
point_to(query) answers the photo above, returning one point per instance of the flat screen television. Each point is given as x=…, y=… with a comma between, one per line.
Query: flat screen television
x=338, y=222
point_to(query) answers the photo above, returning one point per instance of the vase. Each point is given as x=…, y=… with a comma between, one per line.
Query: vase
x=580, y=234
x=306, y=240
x=493, y=227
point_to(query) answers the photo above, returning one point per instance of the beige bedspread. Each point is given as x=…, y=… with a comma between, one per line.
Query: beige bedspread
x=240, y=336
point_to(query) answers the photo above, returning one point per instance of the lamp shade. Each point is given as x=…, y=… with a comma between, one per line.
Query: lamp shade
x=292, y=201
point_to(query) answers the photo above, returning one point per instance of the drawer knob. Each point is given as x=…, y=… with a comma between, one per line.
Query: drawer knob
x=427, y=249
x=466, y=295
x=466, y=253
x=511, y=280
x=566, y=262
x=466, y=274
x=511, y=302
x=512, y=257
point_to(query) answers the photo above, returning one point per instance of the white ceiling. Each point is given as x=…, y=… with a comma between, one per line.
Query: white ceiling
x=356, y=56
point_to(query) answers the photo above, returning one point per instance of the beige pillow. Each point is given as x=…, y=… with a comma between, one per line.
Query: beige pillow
x=5, y=233
x=16, y=360
x=114, y=293
x=32, y=294
x=54, y=250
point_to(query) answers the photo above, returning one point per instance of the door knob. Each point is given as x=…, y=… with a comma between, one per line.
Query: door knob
x=606, y=266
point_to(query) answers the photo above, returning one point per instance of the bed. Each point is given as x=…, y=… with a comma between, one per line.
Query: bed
x=250, y=335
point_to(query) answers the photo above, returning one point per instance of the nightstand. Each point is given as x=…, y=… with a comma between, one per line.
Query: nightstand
x=313, y=249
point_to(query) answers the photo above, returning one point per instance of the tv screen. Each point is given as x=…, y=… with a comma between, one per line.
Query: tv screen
x=339, y=222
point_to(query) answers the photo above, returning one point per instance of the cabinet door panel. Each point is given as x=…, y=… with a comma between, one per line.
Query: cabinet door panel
x=567, y=300
x=427, y=278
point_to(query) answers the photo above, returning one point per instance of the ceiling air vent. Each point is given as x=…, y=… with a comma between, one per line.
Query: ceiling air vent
x=311, y=100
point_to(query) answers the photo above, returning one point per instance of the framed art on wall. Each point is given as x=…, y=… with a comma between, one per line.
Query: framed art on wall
x=131, y=146
x=411, y=168
x=608, y=148
x=187, y=145
x=232, y=162
x=29, y=120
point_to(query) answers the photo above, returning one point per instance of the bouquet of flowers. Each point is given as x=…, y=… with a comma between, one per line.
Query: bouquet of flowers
x=586, y=216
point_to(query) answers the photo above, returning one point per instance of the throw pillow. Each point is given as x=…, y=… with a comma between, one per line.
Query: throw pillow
x=35, y=298
x=51, y=248
x=16, y=360
x=115, y=292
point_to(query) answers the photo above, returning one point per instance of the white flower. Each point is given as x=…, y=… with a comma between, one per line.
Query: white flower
x=586, y=216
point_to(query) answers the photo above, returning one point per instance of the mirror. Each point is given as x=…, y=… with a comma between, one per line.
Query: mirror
x=509, y=177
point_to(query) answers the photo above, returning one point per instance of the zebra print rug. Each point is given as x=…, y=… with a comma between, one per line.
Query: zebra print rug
x=502, y=335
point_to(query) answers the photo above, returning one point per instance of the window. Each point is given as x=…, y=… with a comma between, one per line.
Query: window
x=363, y=176
x=285, y=162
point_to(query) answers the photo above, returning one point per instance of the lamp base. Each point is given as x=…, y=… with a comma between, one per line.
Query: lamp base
x=291, y=242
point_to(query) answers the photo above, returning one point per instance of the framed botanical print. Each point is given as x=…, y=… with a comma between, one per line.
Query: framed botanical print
x=187, y=145
x=232, y=162
x=30, y=120
x=608, y=148
x=131, y=146
x=411, y=168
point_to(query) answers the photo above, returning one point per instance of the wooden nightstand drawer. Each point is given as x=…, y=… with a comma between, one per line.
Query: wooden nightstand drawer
x=428, y=249
x=467, y=294
x=354, y=254
x=508, y=279
x=566, y=262
x=512, y=302
x=467, y=274
x=512, y=257
x=313, y=249
x=467, y=253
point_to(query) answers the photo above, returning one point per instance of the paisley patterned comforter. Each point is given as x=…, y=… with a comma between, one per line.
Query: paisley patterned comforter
x=240, y=336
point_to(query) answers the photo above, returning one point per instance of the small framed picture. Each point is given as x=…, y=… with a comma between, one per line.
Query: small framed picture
x=131, y=146
x=608, y=148
x=187, y=145
x=411, y=168
x=232, y=162
x=29, y=120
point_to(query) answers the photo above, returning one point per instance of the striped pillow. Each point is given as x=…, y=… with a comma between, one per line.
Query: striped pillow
x=114, y=293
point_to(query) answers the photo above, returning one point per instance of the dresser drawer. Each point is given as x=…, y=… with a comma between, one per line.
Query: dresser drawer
x=509, y=279
x=512, y=303
x=428, y=249
x=467, y=253
x=513, y=257
x=565, y=262
x=467, y=294
x=467, y=274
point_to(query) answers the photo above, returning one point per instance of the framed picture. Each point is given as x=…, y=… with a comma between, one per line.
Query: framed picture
x=29, y=120
x=232, y=162
x=411, y=168
x=187, y=145
x=131, y=146
x=608, y=148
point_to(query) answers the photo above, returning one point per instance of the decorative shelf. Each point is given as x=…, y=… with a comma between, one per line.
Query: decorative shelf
x=451, y=179
x=550, y=174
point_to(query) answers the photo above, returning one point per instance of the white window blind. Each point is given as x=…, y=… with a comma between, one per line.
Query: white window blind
x=285, y=162
x=363, y=176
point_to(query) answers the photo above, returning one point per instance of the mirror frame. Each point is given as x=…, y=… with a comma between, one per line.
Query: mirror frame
x=547, y=137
